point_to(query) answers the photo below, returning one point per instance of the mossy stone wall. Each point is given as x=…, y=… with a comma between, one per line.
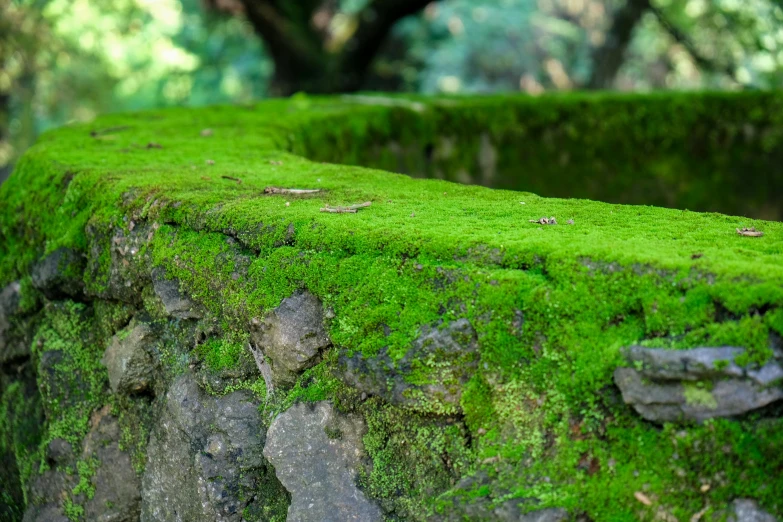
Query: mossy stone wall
x=169, y=220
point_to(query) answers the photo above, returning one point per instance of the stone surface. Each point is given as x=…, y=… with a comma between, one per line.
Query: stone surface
x=696, y=385
x=59, y=451
x=129, y=364
x=176, y=303
x=316, y=452
x=443, y=360
x=291, y=336
x=117, y=495
x=204, y=458
x=116, y=485
x=747, y=510
x=11, y=346
x=60, y=274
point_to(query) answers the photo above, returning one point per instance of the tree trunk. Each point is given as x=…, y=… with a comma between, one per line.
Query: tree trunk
x=608, y=58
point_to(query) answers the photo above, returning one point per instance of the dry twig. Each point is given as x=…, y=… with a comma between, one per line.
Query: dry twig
x=750, y=232
x=352, y=209
x=545, y=221
x=278, y=190
x=232, y=178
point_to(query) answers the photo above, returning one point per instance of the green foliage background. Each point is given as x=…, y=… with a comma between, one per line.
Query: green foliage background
x=65, y=61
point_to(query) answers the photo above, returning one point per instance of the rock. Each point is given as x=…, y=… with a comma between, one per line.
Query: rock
x=746, y=510
x=11, y=346
x=117, y=495
x=696, y=385
x=175, y=302
x=45, y=513
x=60, y=274
x=316, y=452
x=443, y=360
x=545, y=515
x=204, y=459
x=128, y=361
x=291, y=336
x=59, y=451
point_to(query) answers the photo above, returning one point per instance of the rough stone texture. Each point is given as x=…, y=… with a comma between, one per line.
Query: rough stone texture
x=175, y=302
x=11, y=347
x=696, y=385
x=291, y=336
x=128, y=361
x=747, y=510
x=317, y=452
x=59, y=451
x=60, y=274
x=117, y=495
x=445, y=359
x=204, y=456
x=127, y=273
x=45, y=513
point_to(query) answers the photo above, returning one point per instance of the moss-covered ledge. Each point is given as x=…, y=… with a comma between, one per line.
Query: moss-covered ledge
x=468, y=351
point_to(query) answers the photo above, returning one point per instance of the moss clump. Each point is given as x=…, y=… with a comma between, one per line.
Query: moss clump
x=551, y=306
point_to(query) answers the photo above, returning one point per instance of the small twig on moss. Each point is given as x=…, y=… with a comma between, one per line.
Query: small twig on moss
x=351, y=209
x=232, y=178
x=278, y=190
x=750, y=232
x=544, y=221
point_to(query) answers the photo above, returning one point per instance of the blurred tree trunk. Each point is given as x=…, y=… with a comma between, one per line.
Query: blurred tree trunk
x=608, y=58
x=309, y=52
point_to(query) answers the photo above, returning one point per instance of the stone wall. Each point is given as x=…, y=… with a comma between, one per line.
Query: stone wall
x=183, y=342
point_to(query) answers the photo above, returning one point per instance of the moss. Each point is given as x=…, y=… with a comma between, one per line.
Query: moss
x=699, y=396
x=552, y=305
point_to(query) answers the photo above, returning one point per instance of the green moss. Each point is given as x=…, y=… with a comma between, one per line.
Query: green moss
x=699, y=396
x=552, y=305
x=86, y=470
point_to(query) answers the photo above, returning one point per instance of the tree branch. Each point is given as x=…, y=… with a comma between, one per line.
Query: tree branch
x=375, y=22
x=681, y=38
x=289, y=43
x=608, y=58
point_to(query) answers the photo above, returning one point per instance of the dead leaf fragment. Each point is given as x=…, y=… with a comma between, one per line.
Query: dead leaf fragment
x=644, y=499
x=206, y=133
x=545, y=221
x=153, y=145
x=210, y=162
x=351, y=209
x=277, y=163
x=570, y=222
x=749, y=232
x=278, y=190
x=697, y=255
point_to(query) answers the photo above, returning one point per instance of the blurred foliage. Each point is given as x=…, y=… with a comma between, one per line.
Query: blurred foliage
x=68, y=60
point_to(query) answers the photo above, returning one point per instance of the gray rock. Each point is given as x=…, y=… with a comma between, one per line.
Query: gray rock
x=117, y=495
x=204, y=459
x=696, y=385
x=545, y=515
x=291, y=336
x=59, y=451
x=443, y=360
x=45, y=513
x=11, y=347
x=747, y=510
x=317, y=452
x=60, y=274
x=128, y=361
x=176, y=303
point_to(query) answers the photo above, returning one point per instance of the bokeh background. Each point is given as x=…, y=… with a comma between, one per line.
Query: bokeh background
x=64, y=61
